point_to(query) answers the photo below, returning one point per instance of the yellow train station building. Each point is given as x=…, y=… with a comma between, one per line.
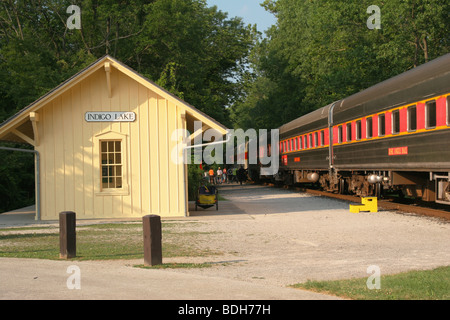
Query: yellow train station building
x=104, y=141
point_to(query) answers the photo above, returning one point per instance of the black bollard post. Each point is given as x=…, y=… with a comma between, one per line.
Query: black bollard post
x=67, y=235
x=152, y=240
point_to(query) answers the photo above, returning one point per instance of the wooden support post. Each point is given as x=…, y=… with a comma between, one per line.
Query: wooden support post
x=67, y=235
x=108, y=78
x=152, y=240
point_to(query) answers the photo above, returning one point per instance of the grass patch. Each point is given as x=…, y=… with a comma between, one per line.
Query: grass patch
x=102, y=242
x=414, y=285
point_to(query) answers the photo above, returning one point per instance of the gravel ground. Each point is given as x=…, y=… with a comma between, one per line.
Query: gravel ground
x=280, y=237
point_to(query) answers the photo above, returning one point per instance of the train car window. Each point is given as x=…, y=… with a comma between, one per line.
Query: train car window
x=295, y=144
x=316, y=138
x=381, y=124
x=369, y=126
x=430, y=114
x=284, y=146
x=412, y=118
x=310, y=145
x=349, y=132
x=340, y=134
x=322, y=138
x=358, y=130
x=395, y=121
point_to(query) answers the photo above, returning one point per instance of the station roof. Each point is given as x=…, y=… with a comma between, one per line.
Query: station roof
x=19, y=127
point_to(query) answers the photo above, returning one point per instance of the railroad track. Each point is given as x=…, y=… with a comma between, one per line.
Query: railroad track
x=387, y=204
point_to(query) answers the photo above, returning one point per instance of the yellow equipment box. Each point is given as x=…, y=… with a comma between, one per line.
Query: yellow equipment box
x=367, y=204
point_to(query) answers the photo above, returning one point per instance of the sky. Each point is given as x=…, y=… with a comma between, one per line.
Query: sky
x=249, y=10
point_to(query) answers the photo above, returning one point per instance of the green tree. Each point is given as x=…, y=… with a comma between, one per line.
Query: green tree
x=321, y=51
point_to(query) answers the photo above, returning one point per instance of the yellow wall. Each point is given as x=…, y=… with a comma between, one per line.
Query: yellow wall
x=69, y=148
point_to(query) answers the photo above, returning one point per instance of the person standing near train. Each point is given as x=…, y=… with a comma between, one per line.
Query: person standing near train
x=211, y=176
x=241, y=175
x=219, y=176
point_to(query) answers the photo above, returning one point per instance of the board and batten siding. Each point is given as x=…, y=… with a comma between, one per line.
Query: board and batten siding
x=70, y=161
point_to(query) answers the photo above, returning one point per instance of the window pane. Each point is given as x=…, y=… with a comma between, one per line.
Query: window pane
x=412, y=118
x=340, y=134
x=358, y=130
x=381, y=125
x=110, y=146
x=322, y=138
x=349, y=132
x=118, y=182
x=396, y=121
x=316, y=138
x=104, y=172
x=369, y=128
x=111, y=169
x=431, y=114
x=110, y=158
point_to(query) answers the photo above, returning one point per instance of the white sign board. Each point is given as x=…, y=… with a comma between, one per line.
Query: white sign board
x=110, y=116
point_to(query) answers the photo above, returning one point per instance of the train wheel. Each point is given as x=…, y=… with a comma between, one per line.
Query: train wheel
x=341, y=186
x=378, y=190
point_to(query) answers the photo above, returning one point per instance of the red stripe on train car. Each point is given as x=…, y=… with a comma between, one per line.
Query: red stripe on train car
x=375, y=126
x=353, y=130
x=441, y=111
x=403, y=120
x=420, y=109
x=326, y=137
x=388, y=123
x=363, y=128
x=335, y=135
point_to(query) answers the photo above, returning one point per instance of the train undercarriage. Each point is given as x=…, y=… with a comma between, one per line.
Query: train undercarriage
x=427, y=186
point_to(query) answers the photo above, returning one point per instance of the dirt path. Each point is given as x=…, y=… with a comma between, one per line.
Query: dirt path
x=280, y=237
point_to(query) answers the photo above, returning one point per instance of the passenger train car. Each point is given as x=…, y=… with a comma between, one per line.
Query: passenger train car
x=394, y=135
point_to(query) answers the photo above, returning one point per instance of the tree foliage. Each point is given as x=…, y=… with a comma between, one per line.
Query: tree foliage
x=321, y=51
x=192, y=50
